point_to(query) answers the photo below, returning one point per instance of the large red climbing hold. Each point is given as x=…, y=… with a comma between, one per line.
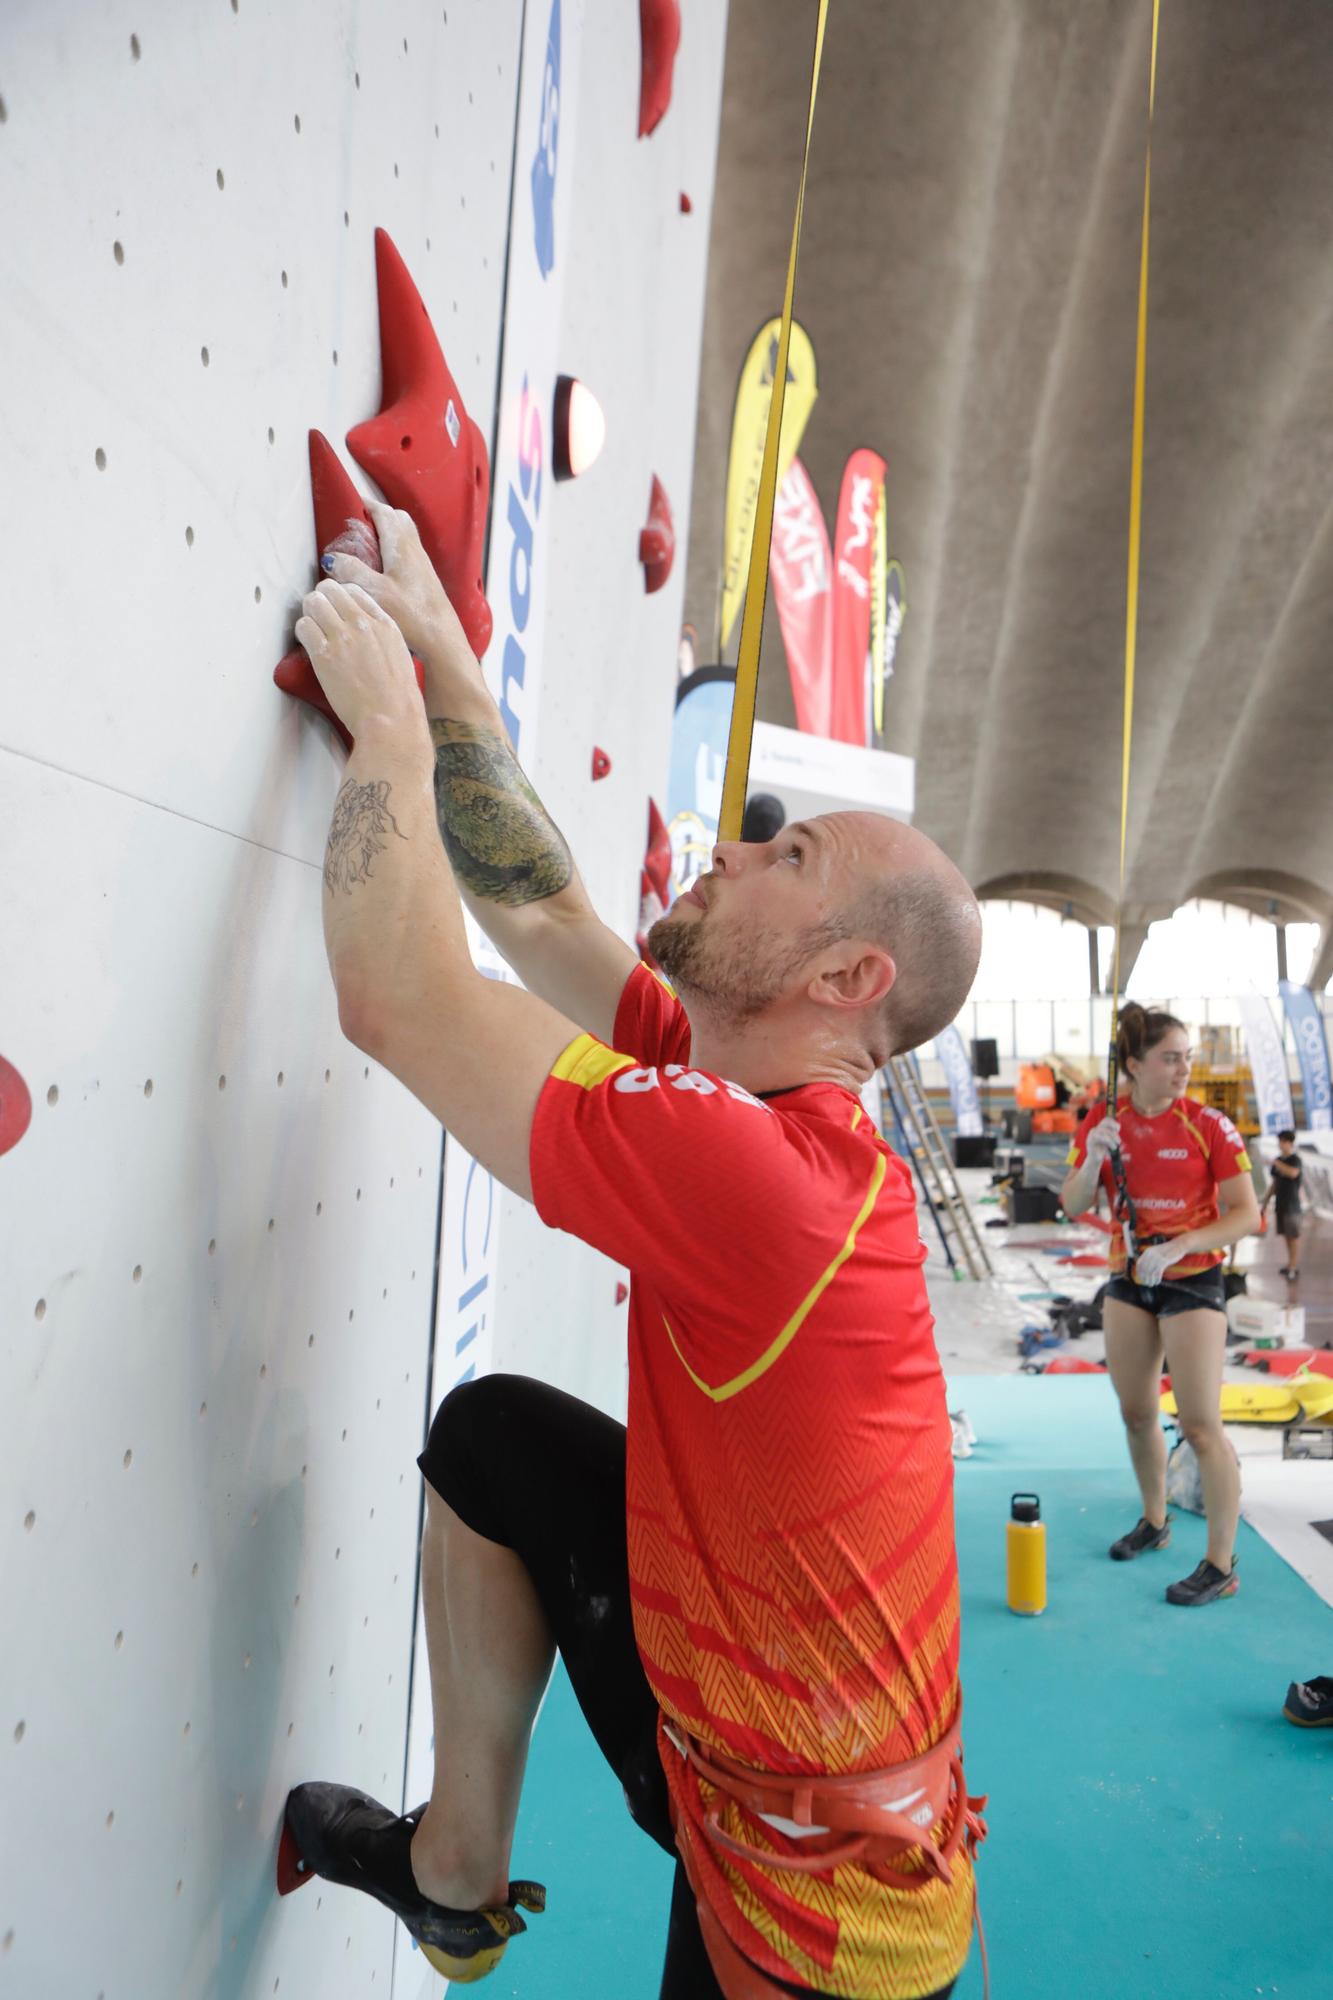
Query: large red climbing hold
x=659, y=30
x=423, y=449
x=15, y=1106
x=342, y=526
x=657, y=540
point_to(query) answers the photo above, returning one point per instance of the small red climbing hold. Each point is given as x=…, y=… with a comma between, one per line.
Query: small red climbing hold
x=622, y=1293
x=686, y=205
x=601, y=764
x=15, y=1106
x=657, y=539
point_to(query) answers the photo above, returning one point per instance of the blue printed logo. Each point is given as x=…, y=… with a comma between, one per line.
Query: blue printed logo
x=548, y=142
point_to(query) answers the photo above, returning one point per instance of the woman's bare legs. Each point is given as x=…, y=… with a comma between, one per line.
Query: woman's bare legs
x=1134, y=1359
x=1195, y=1348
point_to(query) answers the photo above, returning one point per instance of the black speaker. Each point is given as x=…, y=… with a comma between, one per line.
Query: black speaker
x=978, y=1151
x=985, y=1059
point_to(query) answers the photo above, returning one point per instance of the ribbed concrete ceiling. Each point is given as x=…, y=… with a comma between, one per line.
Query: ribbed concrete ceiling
x=969, y=275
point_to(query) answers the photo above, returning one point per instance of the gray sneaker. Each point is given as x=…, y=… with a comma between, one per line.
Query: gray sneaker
x=1140, y=1540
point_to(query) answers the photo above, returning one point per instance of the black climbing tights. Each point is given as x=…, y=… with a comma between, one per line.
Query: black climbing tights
x=543, y=1474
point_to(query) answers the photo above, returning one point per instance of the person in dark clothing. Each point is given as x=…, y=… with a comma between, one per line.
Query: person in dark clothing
x=1284, y=1191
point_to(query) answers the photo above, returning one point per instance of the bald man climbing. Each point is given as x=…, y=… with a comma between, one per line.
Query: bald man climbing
x=753, y=1587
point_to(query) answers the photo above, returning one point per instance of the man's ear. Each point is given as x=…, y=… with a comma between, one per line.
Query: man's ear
x=866, y=977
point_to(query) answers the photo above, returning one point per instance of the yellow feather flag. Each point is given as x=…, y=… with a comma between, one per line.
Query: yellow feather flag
x=749, y=426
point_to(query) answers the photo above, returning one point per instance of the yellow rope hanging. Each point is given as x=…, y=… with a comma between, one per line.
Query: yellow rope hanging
x=1135, y=538
x=756, y=589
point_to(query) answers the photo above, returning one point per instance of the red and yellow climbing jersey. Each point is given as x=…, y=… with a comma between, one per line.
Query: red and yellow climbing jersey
x=790, y=1478
x=1173, y=1163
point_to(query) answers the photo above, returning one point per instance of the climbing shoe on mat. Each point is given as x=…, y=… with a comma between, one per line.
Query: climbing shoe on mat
x=1139, y=1541
x=339, y=1833
x=1309, y=1704
x=1204, y=1584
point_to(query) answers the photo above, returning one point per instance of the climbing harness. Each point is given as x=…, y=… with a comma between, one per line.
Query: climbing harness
x=883, y=1816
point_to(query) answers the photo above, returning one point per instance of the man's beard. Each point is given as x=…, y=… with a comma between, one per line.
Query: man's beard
x=734, y=978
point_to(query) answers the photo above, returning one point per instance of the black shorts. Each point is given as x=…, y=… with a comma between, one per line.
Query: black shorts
x=544, y=1475
x=1203, y=1289
x=1287, y=1222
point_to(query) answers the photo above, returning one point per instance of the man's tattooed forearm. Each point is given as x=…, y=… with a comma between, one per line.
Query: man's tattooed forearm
x=361, y=826
x=503, y=847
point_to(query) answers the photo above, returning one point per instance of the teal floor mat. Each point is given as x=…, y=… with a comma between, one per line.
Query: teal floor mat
x=1158, y=1832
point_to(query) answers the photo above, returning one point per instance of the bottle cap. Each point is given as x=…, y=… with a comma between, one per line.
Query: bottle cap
x=1025, y=1507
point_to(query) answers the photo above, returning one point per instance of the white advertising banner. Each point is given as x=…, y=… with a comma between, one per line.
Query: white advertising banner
x=951, y=1051
x=1268, y=1064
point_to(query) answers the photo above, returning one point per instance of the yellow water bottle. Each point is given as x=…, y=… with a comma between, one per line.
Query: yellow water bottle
x=1026, y=1536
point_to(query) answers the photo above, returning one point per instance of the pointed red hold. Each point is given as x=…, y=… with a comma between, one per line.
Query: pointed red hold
x=342, y=526
x=686, y=205
x=659, y=30
x=655, y=878
x=622, y=1293
x=423, y=449
x=292, y=1871
x=657, y=541
x=601, y=764
x=15, y=1106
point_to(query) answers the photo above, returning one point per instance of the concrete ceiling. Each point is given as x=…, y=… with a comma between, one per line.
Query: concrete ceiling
x=969, y=273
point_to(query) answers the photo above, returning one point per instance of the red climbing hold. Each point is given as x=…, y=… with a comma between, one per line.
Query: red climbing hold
x=423, y=449
x=657, y=540
x=601, y=764
x=686, y=205
x=622, y=1293
x=659, y=29
x=15, y=1106
x=292, y=1871
x=655, y=879
x=342, y=526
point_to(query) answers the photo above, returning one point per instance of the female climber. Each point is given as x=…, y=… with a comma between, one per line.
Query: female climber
x=1180, y=1186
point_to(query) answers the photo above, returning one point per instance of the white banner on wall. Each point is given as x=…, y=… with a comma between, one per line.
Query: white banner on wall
x=515, y=582
x=1268, y=1064
x=951, y=1053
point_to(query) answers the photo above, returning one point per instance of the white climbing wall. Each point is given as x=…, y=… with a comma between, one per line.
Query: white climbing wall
x=218, y=1238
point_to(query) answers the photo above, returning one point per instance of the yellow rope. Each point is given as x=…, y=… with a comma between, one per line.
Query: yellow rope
x=756, y=589
x=1135, y=539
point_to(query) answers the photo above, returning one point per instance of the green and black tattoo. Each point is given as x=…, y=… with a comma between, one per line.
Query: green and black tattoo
x=495, y=829
x=360, y=830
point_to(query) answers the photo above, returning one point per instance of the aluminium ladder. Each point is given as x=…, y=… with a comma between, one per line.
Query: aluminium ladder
x=935, y=1170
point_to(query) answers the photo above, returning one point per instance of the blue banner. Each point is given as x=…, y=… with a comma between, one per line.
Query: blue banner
x=951, y=1050
x=1307, y=1027
x=698, y=761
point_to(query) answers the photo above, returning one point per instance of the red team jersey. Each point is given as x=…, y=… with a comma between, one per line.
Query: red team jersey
x=790, y=1479
x=1173, y=1163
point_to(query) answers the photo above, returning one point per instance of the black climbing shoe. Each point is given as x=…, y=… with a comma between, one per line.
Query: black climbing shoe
x=1139, y=1541
x=1204, y=1584
x=341, y=1834
x=1309, y=1704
